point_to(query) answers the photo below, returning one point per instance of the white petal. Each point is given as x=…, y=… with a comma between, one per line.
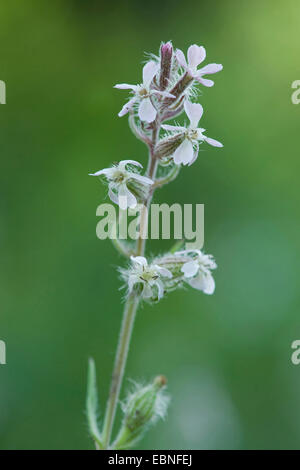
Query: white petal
x=147, y=112
x=127, y=107
x=105, y=171
x=194, y=112
x=125, y=86
x=126, y=198
x=209, y=285
x=147, y=291
x=195, y=156
x=160, y=289
x=190, y=268
x=184, y=153
x=164, y=271
x=149, y=71
x=141, y=260
x=196, y=55
x=132, y=281
x=141, y=179
x=113, y=196
x=123, y=164
x=211, y=68
x=204, y=81
x=205, y=283
x=213, y=142
x=167, y=127
x=180, y=58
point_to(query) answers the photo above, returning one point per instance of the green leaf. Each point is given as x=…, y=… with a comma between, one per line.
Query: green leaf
x=92, y=404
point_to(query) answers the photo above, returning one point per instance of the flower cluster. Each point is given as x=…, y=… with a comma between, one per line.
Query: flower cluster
x=147, y=279
x=169, y=272
x=196, y=269
x=187, y=151
x=196, y=55
x=144, y=94
x=168, y=88
x=165, y=92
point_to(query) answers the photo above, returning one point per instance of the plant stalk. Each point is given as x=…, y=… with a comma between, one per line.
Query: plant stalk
x=120, y=362
x=130, y=308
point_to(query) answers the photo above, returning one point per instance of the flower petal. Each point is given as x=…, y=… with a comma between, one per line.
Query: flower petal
x=190, y=268
x=141, y=260
x=180, y=58
x=164, y=271
x=125, y=86
x=126, y=198
x=205, y=283
x=213, y=142
x=123, y=164
x=195, y=156
x=209, y=285
x=141, y=179
x=105, y=171
x=149, y=71
x=196, y=55
x=204, y=81
x=194, y=112
x=210, y=68
x=132, y=280
x=147, y=112
x=167, y=127
x=184, y=153
x=127, y=107
x=147, y=291
x=112, y=195
x=160, y=289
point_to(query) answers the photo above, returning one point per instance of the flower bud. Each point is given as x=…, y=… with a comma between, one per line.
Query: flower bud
x=167, y=146
x=139, y=190
x=142, y=408
x=183, y=83
x=166, y=53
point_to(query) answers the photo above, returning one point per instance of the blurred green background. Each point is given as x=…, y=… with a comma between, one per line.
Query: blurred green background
x=227, y=357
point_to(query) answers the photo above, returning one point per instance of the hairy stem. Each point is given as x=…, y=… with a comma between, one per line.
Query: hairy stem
x=121, y=357
x=130, y=308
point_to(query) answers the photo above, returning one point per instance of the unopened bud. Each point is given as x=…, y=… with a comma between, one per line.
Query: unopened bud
x=160, y=381
x=166, y=54
x=183, y=83
x=142, y=408
x=139, y=190
x=167, y=146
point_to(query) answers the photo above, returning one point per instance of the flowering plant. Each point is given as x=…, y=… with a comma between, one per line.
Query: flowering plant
x=169, y=83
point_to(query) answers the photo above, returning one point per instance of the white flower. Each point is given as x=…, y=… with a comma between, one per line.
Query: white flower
x=119, y=177
x=197, y=271
x=196, y=55
x=191, y=135
x=149, y=276
x=143, y=93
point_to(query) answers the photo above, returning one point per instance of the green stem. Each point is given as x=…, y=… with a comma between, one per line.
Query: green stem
x=121, y=358
x=129, y=312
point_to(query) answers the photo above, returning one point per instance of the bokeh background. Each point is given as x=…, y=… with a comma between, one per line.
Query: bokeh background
x=227, y=357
